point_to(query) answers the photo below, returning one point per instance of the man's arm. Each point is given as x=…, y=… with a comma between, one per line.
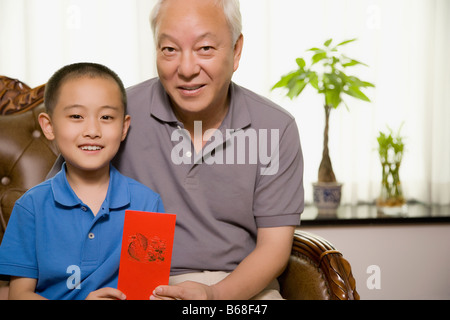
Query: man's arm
x=266, y=262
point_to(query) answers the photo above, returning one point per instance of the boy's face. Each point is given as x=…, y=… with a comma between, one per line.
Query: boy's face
x=88, y=122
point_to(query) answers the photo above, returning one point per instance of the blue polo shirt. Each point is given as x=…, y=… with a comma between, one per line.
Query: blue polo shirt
x=52, y=236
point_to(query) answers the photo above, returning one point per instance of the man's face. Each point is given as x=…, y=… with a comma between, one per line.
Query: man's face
x=196, y=56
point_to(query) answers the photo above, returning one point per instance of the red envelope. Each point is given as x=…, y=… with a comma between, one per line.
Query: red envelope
x=146, y=254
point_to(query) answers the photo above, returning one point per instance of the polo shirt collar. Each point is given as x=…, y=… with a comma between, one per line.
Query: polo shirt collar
x=160, y=105
x=238, y=116
x=118, y=194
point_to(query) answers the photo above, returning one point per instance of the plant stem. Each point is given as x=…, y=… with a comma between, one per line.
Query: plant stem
x=326, y=173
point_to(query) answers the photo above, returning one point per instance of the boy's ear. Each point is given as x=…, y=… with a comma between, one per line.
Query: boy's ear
x=126, y=126
x=46, y=125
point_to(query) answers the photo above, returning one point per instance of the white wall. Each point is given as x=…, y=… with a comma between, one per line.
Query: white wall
x=413, y=260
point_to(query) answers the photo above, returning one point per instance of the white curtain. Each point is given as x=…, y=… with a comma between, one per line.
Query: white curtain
x=405, y=43
x=37, y=37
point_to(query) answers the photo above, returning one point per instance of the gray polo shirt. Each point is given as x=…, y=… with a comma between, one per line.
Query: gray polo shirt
x=249, y=175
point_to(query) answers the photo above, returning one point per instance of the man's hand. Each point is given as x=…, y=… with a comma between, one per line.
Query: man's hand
x=187, y=290
x=252, y=275
x=106, y=294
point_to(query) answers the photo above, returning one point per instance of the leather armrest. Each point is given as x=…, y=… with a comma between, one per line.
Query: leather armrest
x=317, y=271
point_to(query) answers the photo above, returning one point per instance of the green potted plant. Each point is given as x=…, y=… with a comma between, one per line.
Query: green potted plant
x=327, y=74
x=390, y=150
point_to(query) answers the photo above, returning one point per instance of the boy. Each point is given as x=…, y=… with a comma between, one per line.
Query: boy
x=63, y=239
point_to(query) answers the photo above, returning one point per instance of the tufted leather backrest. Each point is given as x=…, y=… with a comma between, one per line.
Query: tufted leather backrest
x=26, y=156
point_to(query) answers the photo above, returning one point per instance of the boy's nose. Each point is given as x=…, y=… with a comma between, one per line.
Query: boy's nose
x=92, y=129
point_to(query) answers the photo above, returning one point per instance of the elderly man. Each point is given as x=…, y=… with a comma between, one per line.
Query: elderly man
x=225, y=160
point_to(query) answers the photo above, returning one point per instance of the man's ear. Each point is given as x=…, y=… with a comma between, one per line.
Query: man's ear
x=46, y=125
x=238, y=51
x=126, y=126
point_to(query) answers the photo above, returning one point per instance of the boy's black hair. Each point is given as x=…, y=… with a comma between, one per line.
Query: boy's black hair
x=74, y=71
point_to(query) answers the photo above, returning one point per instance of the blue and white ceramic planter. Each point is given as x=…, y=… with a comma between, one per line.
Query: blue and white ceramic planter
x=327, y=197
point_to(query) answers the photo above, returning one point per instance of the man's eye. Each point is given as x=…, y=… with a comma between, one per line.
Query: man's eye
x=168, y=50
x=206, y=51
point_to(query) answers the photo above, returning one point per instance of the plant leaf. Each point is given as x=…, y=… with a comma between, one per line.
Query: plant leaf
x=296, y=89
x=354, y=81
x=284, y=81
x=328, y=42
x=356, y=93
x=333, y=98
x=332, y=78
x=301, y=63
x=346, y=41
x=353, y=62
x=320, y=55
x=314, y=80
x=367, y=84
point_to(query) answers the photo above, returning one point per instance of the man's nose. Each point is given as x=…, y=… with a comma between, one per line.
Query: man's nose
x=188, y=67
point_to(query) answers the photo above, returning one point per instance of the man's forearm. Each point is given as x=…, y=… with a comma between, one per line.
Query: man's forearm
x=264, y=264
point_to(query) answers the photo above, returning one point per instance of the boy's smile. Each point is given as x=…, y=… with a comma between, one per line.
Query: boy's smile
x=91, y=148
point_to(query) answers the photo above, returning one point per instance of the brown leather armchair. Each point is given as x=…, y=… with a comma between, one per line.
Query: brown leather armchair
x=316, y=270
x=26, y=156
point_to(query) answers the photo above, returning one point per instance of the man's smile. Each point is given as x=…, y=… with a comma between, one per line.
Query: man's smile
x=190, y=90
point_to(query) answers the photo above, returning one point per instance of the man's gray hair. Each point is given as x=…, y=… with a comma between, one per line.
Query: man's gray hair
x=231, y=8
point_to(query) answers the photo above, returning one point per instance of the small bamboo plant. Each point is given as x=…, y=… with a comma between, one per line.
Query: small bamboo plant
x=390, y=149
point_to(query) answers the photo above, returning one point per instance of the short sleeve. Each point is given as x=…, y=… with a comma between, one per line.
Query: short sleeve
x=279, y=193
x=18, y=247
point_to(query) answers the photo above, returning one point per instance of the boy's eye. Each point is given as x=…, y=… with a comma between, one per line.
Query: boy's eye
x=75, y=116
x=106, y=117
